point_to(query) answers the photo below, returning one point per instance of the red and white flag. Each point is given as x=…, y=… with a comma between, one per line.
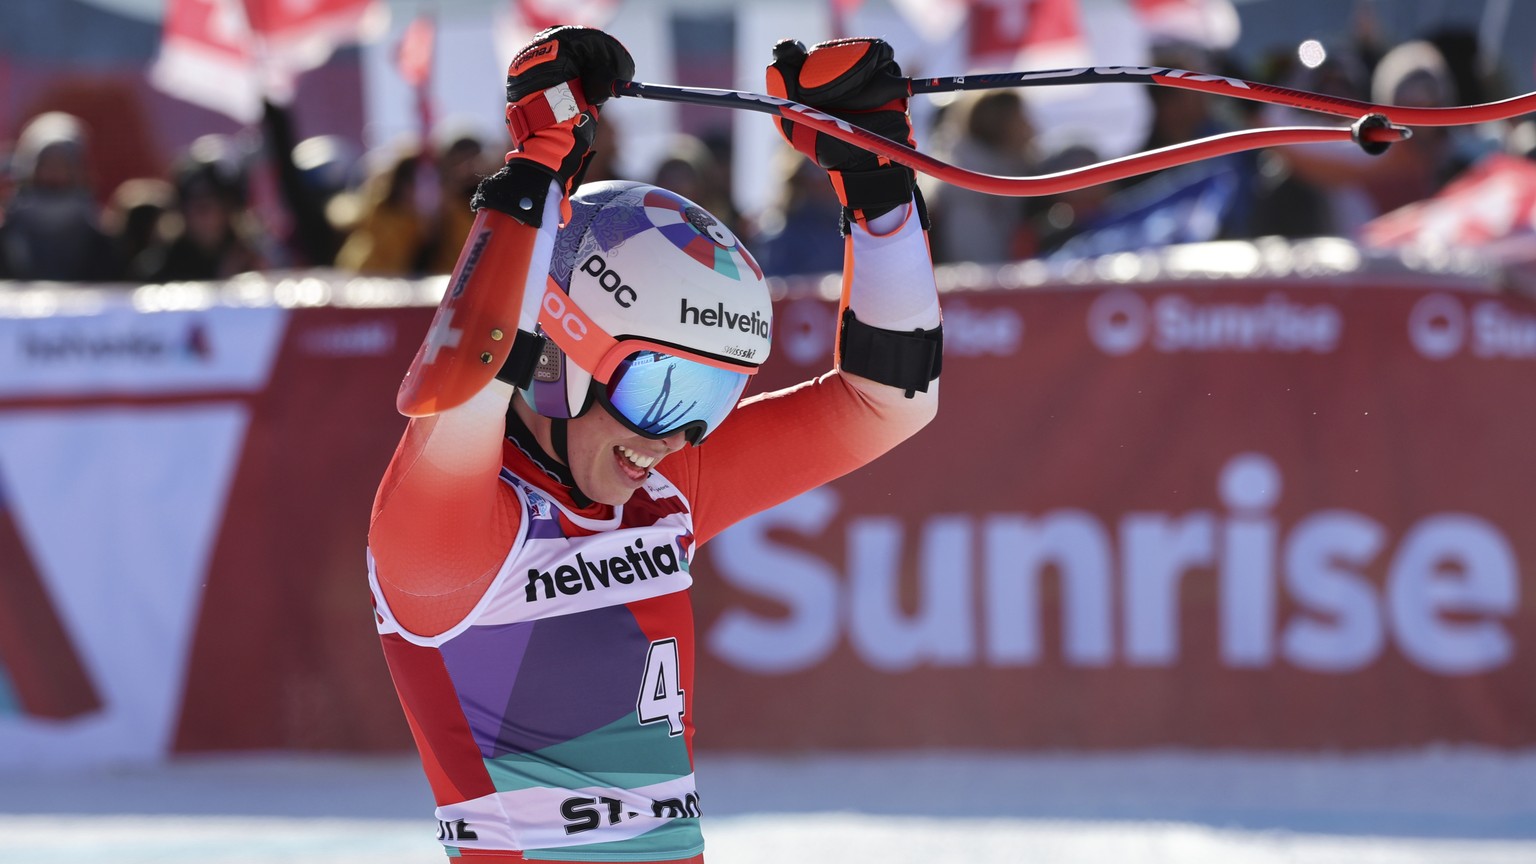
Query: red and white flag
x=530, y=16
x=538, y=14
x=227, y=55
x=527, y=17
x=1211, y=24
x=414, y=57
x=1490, y=207
x=1006, y=35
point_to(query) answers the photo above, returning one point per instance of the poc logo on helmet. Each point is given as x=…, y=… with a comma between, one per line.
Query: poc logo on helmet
x=611, y=281
x=555, y=307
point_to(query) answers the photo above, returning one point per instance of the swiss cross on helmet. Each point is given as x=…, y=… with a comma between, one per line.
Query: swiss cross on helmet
x=653, y=308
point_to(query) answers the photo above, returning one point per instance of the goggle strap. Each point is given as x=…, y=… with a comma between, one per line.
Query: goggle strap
x=591, y=347
x=570, y=328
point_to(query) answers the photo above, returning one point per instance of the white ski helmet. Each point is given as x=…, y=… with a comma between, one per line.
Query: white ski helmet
x=657, y=273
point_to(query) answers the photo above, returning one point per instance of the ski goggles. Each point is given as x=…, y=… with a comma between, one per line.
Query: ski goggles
x=653, y=389
x=659, y=393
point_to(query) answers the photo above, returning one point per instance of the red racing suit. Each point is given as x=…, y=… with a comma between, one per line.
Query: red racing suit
x=543, y=651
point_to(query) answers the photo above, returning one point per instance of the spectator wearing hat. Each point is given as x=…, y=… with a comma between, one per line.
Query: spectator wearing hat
x=51, y=229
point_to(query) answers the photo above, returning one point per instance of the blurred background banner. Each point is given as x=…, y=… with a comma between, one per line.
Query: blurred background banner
x=119, y=438
x=1280, y=512
x=1194, y=515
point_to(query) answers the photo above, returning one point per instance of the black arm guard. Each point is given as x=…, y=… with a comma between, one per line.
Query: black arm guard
x=908, y=361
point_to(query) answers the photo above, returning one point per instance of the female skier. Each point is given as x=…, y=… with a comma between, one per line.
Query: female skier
x=575, y=436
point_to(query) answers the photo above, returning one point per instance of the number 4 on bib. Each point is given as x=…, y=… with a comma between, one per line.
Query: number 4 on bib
x=661, y=690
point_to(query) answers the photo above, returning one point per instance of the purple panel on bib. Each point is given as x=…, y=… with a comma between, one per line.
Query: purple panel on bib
x=544, y=529
x=478, y=661
x=580, y=673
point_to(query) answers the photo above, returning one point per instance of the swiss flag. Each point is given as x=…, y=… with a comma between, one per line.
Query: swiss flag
x=227, y=55
x=1027, y=34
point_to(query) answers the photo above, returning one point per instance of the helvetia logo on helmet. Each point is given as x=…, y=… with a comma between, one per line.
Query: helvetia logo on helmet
x=719, y=316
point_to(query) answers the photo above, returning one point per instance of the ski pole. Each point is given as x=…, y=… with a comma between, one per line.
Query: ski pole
x=1372, y=131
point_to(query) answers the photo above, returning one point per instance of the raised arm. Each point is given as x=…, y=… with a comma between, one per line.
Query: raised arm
x=442, y=521
x=883, y=388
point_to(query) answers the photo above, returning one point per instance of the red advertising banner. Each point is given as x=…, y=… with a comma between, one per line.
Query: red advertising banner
x=1262, y=515
x=1270, y=514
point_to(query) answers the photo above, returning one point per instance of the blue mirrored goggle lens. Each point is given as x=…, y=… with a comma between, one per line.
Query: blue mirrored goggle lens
x=658, y=394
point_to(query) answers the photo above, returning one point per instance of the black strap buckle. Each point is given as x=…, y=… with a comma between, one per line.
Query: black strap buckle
x=523, y=360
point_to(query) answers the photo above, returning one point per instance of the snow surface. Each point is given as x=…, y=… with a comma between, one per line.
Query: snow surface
x=1453, y=805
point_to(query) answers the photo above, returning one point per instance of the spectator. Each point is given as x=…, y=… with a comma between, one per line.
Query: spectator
x=987, y=132
x=308, y=174
x=1288, y=202
x=51, y=229
x=460, y=162
x=1412, y=74
x=1522, y=140
x=388, y=231
x=1183, y=115
x=7, y=184
x=1058, y=218
x=690, y=169
x=214, y=236
x=604, y=164
x=133, y=221
x=796, y=234
x=720, y=144
x=1180, y=116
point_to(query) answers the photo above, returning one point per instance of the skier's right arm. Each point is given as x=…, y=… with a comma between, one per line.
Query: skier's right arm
x=441, y=521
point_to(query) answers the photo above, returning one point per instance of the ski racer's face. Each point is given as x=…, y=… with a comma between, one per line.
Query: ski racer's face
x=608, y=461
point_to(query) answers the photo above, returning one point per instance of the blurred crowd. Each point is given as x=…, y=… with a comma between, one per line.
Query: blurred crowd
x=1294, y=191
x=273, y=200
x=237, y=203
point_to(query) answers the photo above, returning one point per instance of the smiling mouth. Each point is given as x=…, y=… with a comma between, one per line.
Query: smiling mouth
x=636, y=466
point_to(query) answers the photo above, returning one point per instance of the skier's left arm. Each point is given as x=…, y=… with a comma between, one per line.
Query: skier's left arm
x=884, y=386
